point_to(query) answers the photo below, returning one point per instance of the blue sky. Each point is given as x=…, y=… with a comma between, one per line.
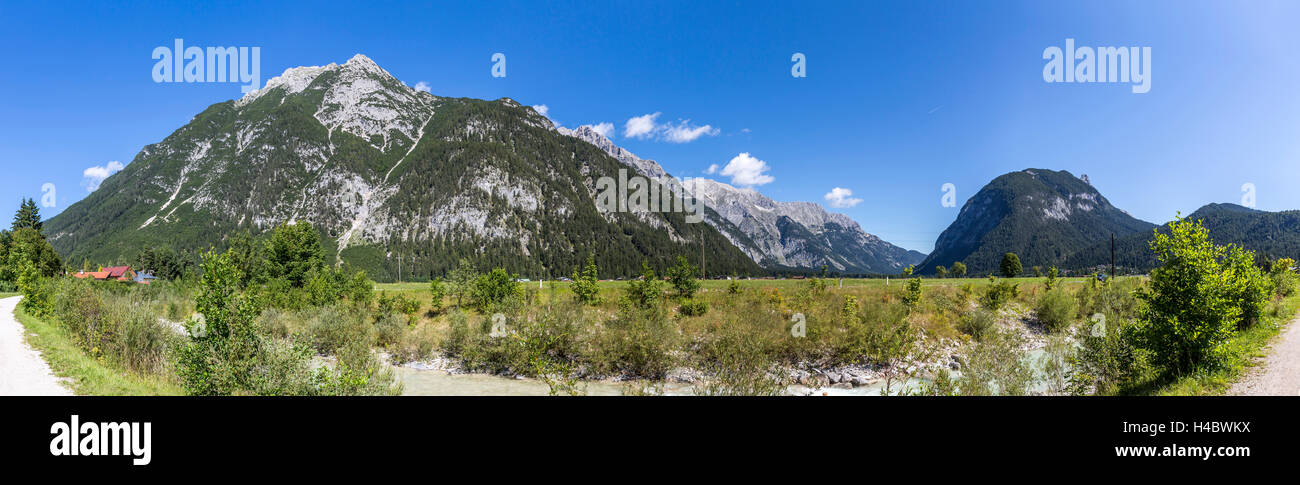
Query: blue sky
x=899, y=98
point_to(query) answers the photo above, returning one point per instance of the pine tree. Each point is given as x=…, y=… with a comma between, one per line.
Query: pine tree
x=28, y=216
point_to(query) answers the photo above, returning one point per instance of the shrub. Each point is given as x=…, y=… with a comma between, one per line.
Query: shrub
x=959, y=269
x=495, y=290
x=998, y=293
x=1195, y=299
x=1284, y=277
x=645, y=292
x=694, y=307
x=682, y=277
x=586, y=288
x=1055, y=310
x=912, y=297
x=976, y=323
x=438, y=292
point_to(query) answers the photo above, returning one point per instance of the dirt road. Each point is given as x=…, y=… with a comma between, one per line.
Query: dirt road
x=1280, y=373
x=22, y=370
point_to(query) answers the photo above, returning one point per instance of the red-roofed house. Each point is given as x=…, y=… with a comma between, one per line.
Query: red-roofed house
x=120, y=273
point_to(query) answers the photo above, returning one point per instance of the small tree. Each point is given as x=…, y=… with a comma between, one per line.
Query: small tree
x=647, y=291
x=293, y=251
x=1038, y=271
x=913, y=296
x=1011, y=265
x=959, y=269
x=438, y=290
x=682, y=277
x=586, y=289
x=907, y=271
x=941, y=272
x=460, y=281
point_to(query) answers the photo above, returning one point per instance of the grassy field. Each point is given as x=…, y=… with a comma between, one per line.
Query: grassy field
x=610, y=290
x=89, y=376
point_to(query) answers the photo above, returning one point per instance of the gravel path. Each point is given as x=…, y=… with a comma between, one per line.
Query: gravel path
x=22, y=370
x=1280, y=373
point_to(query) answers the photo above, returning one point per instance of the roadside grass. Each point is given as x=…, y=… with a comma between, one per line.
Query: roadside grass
x=1248, y=349
x=87, y=375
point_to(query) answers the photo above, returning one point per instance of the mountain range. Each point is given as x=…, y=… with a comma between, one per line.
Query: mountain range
x=403, y=182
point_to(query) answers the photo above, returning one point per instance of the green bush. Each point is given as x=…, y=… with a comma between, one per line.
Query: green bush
x=1055, y=310
x=1196, y=299
x=912, y=297
x=645, y=292
x=586, y=288
x=998, y=293
x=976, y=323
x=495, y=291
x=694, y=307
x=682, y=277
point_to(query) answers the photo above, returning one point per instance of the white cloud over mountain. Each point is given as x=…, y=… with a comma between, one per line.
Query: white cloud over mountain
x=841, y=198
x=93, y=176
x=746, y=171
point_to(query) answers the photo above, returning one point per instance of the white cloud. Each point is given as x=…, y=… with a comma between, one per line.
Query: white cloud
x=640, y=127
x=94, y=176
x=841, y=198
x=542, y=109
x=605, y=129
x=712, y=169
x=422, y=86
x=747, y=171
x=683, y=132
x=645, y=126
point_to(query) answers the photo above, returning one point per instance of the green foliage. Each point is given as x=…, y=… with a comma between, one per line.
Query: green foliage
x=998, y=293
x=959, y=269
x=941, y=272
x=977, y=323
x=1284, y=277
x=694, y=308
x=907, y=271
x=586, y=289
x=993, y=366
x=1038, y=271
x=460, y=281
x=162, y=262
x=1196, y=298
x=733, y=287
x=1010, y=266
x=1107, y=361
x=293, y=252
x=1055, y=310
x=28, y=217
x=647, y=291
x=912, y=297
x=438, y=293
x=1052, y=274
x=682, y=278
x=494, y=290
